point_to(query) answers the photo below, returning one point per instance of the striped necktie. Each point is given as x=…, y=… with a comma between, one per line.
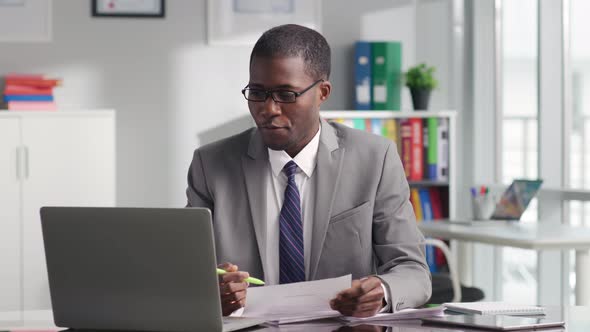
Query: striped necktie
x=292, y=268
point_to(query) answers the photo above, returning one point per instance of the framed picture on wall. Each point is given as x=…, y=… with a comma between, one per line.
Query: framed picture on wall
x=241, y=22
x=129, y=8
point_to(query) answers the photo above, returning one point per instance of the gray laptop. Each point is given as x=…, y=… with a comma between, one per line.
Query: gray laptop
x=134, y=269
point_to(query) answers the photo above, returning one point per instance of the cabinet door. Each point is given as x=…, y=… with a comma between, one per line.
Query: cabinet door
x=10, y=225
x=71, y=162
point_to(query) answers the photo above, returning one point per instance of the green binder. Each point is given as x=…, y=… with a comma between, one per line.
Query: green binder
x=386, y=81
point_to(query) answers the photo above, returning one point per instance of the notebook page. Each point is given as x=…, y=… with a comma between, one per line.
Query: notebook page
x=494, y=308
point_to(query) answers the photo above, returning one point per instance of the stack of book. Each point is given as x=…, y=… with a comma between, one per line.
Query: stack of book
x=422, y=144
x=24, y=92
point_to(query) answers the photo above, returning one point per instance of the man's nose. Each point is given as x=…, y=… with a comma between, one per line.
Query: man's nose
x=271, y=107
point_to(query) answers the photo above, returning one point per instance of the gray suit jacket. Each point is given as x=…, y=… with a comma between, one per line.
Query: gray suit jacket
x=364, y=222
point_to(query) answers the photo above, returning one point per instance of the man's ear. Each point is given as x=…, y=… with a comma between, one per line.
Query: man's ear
x=325, y=90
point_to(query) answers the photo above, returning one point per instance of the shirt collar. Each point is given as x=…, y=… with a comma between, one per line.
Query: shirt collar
x=306, y=159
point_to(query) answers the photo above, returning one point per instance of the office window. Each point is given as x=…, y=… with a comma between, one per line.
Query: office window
x=519, y=132
x=579, y=148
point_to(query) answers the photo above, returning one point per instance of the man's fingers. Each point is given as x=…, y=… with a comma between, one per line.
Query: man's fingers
x=229, y=267
x=232, y=287
x=361, y=307
x=354, y=291
x=370, y=283
x=233, y=277
x=376, y=294
x=233, y=298
x=360, y=289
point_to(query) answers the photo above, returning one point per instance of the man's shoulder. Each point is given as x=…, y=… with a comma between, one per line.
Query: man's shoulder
x=233, y=145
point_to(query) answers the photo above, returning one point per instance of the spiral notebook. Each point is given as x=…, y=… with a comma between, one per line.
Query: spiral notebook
x=494, y=308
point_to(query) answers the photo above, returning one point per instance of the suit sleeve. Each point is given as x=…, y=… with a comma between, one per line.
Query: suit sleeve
x=397, y=242
x=197, y=192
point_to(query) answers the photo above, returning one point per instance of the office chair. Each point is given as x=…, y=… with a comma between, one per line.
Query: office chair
x=446, y=288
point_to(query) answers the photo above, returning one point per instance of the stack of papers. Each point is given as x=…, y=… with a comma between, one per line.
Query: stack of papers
x=297, y=302
x=400, y=315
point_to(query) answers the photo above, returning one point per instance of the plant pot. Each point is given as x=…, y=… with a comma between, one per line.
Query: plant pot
x=420, y=98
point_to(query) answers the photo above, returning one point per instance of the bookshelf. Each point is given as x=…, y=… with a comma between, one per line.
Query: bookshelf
x=447, y=188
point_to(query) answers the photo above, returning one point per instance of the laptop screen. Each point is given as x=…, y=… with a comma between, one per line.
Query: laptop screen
x=515, y=199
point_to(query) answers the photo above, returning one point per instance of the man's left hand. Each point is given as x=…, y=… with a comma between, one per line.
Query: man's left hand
x=363, y=299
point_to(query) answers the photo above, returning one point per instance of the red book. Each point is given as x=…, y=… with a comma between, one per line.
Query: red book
x=24, y=76
x=20, y=90
x=40, y=83
x=436, y=203
x=405, y=129
x=417, y=149
x=32, y=106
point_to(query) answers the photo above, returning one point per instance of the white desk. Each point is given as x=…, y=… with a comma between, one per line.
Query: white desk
x=527, y=236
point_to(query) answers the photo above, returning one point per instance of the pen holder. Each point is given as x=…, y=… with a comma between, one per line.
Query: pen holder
x=483, y=207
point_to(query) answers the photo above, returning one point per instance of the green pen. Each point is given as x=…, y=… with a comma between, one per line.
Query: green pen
x=248, y=280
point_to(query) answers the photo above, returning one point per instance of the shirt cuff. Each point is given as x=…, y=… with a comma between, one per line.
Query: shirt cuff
x=387, y=307
x=238, y=312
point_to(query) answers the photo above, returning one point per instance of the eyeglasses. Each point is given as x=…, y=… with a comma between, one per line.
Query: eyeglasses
x=278, y=95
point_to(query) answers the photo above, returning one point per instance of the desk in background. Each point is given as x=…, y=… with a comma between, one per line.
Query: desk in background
x=537, y=236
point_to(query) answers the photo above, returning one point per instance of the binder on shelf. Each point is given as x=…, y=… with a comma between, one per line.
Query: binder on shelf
x=442, y=166
x=427, y=217
x=358, y=124
x=362, y=75
x=386, y=75
x=406, y=145
x=377, y=127
x=417, y=150
x=390, y=130
x=415, y=200
x=432, y=150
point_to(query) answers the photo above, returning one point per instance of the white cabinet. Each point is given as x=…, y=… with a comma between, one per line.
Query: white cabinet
x=47, y=158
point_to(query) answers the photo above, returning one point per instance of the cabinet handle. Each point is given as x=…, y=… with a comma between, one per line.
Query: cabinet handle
x=26, y=149
x=18, y=163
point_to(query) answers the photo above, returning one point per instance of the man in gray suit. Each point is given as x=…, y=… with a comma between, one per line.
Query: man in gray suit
x=298, y=198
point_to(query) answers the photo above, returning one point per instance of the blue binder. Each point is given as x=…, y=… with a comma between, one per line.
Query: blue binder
x=362, y=76
x=427, y=216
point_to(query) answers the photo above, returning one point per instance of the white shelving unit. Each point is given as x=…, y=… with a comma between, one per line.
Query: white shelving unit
x=451, y=115
x=47, y=158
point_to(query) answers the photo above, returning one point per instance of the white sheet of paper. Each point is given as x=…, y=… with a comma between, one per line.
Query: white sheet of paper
x=401, y=315
x=295, y=302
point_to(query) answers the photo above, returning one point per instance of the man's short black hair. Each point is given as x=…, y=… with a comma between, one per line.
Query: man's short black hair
x=292, y=40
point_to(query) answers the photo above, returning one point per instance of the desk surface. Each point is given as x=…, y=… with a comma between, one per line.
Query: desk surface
x=511, y=233
x=577, y=320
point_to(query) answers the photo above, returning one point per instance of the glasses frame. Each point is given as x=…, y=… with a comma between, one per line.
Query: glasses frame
x=270, y=93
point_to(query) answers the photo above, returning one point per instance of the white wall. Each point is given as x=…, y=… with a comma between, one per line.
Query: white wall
x=172, y=91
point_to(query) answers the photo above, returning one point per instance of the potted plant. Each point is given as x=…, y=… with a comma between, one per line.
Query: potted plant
x=421, y=81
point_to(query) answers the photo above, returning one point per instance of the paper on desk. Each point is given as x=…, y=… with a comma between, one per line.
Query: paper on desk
x=295, y=302
x=401, y=315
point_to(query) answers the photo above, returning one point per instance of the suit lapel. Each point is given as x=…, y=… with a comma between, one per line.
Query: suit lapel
x=255, y=165
x=327, y=174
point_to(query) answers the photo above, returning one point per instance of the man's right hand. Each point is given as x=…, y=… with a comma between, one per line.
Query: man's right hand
x=232, y=288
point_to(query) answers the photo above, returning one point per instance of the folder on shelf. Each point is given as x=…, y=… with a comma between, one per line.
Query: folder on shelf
x=362, y=75
x=427, y=217
x=417, y=150
x=386, y=75
x=415, y=200
x=442, y=166
x=432, y=150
